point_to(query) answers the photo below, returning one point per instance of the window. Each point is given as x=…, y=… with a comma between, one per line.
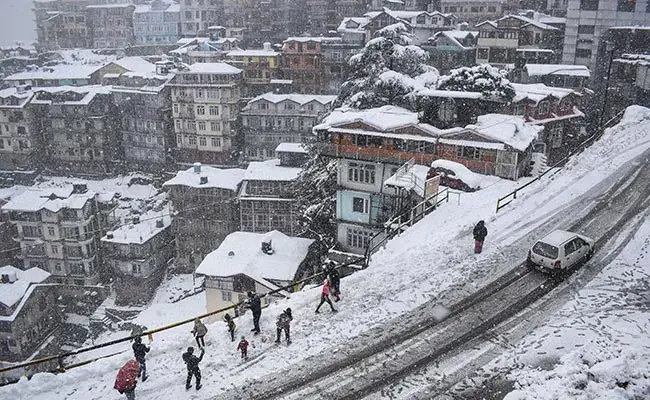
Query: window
x=482, y=53
x=589, y=5
x=586, y=29
x=216, y=142
x=358, y=238
x=55, y=249
x=583, y=53
x=626, y=5
x=215, y=126
x=213, y=110
x=51, y=231
x=192, y=140
x=543, y=107
x=203, y=141
x=136, y=268
x=226, y=296
x=362, y=173
x=201, y=125
x=175, y=108
x=31, y=231
x=519, y=109
x=360, y=205
x=200, y=110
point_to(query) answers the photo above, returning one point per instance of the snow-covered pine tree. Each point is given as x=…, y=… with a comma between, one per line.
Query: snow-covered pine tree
x=388, y=70
x=315, y=190
x=481, y=78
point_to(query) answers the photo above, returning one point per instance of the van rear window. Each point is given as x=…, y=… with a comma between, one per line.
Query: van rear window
x=545, y=250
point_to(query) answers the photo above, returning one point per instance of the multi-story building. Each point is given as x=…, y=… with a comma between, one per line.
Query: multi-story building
x=515, y=37
x=302, y=62
x=273, y=21
x=573, y=77
x=111, y=25
x=234, y=14
x=271, y=119
x=157, y=23
x=241, y=264
x=259, y=66
x=326, y=15
x=29, y=312
x=205, y=108
x=21, y=144
x=59, y=229
x=79, y=125
x=557, y=8
x=451, y=49
x=371, y=145
x=57, y=75
x=422, y=24
x=62, y=24
x=266, y=196
x=137, y=254
x=144, y=105
x=335, y=61
x=474, y=10
x=205, y=49
x=205, y=204
x=587, y=22
x=629, y=83
x=198, y=15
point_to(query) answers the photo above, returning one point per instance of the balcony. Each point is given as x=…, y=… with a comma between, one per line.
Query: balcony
x=379, y=154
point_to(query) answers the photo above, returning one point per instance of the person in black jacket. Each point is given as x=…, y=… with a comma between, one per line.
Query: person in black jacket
x=284, y=324
x=255, y=304
x=231, y=326
x=192, y=363
x=480, y=232
x=140, y=351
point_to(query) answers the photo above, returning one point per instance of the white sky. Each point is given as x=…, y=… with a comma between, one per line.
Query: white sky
x=16, y=21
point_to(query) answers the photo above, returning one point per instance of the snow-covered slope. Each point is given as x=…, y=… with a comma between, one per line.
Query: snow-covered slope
x=432, y=261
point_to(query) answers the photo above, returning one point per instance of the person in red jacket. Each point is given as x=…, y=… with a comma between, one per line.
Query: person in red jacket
x=127, y=378
x=243, y=347
x=325, y=297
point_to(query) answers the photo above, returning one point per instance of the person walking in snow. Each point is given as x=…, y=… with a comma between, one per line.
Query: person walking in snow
x=139, y=352
x=199, y=331
x=335, y=280
x=127, y=379
x=243, y=348
x=255, y=304
x=284, y=324
x=325, y=297
x=192, y=363
x=231, y=326
x=480, y=232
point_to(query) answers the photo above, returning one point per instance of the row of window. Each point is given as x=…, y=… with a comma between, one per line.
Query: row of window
x=201, y=93
x=472, y=9
x=202, y=140
x=621, y=5
x=302, y=124
x=200, y=126
x=22, y=144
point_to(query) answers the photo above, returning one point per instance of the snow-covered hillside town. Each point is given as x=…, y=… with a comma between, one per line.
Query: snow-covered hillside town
x=324, y=199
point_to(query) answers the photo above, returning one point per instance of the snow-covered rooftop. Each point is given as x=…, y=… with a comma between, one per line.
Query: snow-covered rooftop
x=270, y=170
x=12, y=293
x=291, y=148
x=453, y=94
x=412, y=178
x=241, y=253
x=253, y=53
x=217, y=178
x=295, y=97
x=56, y=72
x=508, y=129
x=537, y=92
x=139, y=233
x=384, y=118
x=557, y=69
x=460, y=171
x=213, y=68
x=53, y=200
x=89, y=93
x=357, y=24
x=136, y=64
x=305, y=39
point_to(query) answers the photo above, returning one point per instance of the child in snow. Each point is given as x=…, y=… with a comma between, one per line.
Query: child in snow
x=335, y=280
x=193, y=369
x=199, y=331
x=243, y=347
x=283, y=324
x=140, y=350
x=325, y=297
x=231, y=326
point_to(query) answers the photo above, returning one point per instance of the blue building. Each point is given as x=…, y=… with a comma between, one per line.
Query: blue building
x=157, y=23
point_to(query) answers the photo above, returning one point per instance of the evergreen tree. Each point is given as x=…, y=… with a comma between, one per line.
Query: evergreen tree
x=315, y=190
x=481, y=78
x=388, y=71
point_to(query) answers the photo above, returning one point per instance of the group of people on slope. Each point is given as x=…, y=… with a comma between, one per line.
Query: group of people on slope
x=137, y=369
